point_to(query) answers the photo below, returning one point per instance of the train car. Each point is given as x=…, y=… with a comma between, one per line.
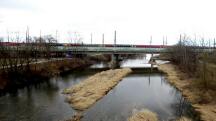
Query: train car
x=57, y=44
x=123, y=45
x=92, y=45
x=9, y=44
x=151, y=46
x=109, y=45
x=74, y=45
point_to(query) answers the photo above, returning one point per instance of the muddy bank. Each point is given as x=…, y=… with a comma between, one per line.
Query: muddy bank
x=190, y=91
x=86, y=93
x=36, y=73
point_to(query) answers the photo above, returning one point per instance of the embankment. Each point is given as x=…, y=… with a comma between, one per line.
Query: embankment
x=86, y=93
x=10, y=81
x=190, y=91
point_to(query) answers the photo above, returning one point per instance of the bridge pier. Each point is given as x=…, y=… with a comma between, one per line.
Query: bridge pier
x=114, y=61
x=152, y=62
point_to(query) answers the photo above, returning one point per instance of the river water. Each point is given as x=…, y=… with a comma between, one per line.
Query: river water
x=137, y=91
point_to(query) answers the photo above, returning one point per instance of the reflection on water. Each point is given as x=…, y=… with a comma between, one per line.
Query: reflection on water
x=100, y=65
x=41, y=102
x=140, y=62
x=136, y=92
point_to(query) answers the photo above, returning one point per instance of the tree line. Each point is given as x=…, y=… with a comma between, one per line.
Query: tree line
x=196, y=58
x=15, y=58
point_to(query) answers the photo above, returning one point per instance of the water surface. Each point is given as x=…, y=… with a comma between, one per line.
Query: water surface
x=137, y=91
x=41, y=102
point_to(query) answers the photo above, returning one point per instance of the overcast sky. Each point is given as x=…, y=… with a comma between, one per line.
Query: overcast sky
x=134, y=20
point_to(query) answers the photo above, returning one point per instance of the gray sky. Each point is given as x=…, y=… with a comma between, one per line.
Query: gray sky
x=134, y=20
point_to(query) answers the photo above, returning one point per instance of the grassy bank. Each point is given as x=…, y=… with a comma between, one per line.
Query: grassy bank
x=39, y=72
x=203, y=100
x=86, y=93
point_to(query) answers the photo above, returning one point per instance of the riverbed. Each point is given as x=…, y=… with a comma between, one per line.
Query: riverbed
x=137, y=91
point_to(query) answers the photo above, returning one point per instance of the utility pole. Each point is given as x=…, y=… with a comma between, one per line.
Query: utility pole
x=166, y=40
x=56, y=35
x=8, y=37
x=115, y=38
x=163, y=40
x=103, y=39
x=150, y=40
x=91, y=38
x=209, y=43
x=214, y=43
x=40, y=37
x=27, y=34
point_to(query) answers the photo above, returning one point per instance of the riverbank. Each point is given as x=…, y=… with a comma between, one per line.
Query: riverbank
x=38, y=72
x=86, y=93
x=201, y=100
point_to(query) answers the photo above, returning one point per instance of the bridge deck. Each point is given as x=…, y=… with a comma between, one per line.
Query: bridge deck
x=129, y=50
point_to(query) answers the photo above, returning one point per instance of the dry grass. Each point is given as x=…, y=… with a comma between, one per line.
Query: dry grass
x=184, y=119
x=147, y=115
x=57, y=66
x=144, y=115
x=190, y=91
x=44, y=69
x=76, y=117
x=86, y=93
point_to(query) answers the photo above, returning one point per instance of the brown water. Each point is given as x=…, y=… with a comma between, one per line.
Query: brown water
x=44, y=101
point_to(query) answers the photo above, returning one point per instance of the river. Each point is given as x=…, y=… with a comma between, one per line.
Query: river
x=137, y=91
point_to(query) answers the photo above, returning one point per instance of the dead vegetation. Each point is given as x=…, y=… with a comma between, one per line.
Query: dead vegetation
x=86, y=93
x=16, y=55
x=38, y=72
x=147, y=115
x=197, y=58
x=144, y=115
x=183, y=119
x=76, y=117
x=202, y=101
x=194, y=73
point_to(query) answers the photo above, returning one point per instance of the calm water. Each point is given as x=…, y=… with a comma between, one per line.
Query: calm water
x=137, y=92
x=141, y=62
x=44, y=102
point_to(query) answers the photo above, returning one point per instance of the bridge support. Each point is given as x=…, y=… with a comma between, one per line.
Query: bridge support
x=152, y=61
x=114, y=61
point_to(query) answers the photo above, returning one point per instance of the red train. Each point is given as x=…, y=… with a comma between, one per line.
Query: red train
x=86, y=45
x=9, y=44
x=117, y=45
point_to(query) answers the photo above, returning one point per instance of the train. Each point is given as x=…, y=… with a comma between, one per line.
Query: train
x=85, y=45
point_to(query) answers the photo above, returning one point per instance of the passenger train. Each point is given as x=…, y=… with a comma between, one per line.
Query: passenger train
x=85, y=45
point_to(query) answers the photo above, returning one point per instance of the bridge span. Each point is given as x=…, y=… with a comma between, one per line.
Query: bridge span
x=97, y=48
x=113, y=50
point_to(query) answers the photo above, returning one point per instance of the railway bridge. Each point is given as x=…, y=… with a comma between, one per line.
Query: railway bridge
x=119, y=49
